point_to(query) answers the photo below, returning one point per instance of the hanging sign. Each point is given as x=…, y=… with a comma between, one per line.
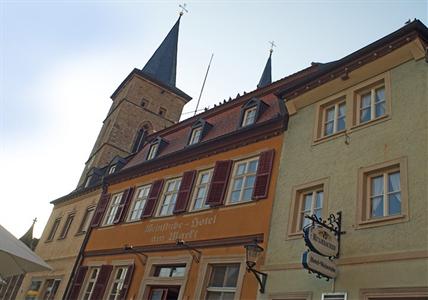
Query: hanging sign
x=319, y=264
x=321, y=240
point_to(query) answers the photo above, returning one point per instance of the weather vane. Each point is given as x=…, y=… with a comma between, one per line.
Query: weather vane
x=272, y=44
x=183, y=9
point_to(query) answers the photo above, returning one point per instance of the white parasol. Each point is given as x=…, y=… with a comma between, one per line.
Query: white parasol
x=16, y=258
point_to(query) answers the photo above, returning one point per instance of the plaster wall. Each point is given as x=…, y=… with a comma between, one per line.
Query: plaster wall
x=391, y=255
x=226, y=222
x=61, y=254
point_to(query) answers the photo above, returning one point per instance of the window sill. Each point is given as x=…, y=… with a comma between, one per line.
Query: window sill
x=380, y=119
x=382, y=221
x=328, y=137
x=295, y=235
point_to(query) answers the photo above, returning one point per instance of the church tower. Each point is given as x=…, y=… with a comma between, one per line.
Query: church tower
x=146, y=101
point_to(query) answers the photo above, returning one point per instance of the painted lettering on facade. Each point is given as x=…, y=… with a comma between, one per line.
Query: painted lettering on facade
x=183, y=230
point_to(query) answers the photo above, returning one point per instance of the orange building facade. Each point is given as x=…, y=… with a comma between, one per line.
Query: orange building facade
x=174, y=222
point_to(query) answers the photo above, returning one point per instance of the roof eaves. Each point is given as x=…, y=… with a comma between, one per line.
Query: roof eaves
x=416, y=26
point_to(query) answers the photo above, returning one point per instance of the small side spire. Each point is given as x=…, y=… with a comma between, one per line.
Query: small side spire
x=27, y=238
x=266, y=78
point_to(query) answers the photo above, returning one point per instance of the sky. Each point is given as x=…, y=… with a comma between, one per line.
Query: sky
x=60, y=61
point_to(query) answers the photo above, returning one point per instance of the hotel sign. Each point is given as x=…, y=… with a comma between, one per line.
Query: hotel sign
x=322, y=237
x=319, y=264
x=321, y=241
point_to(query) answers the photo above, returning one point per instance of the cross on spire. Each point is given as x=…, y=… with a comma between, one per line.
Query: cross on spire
x=272, y=44
x=183, y=9
x=34, y=220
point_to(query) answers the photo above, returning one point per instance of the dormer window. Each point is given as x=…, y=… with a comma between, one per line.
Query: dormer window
x=112, y=169
x=195, y=136
x=249, y=116
x=93, y=177
x=198, y=130
x=152, y=151
x=156, y=147
x=88, y=181
x=251, y=112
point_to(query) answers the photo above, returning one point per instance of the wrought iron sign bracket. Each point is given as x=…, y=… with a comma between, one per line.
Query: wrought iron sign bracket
x=333, y=223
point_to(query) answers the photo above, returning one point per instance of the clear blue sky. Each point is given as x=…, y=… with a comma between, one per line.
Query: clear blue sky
x=61, y=61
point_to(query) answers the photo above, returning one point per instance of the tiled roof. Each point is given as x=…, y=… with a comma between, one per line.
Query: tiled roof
x=224, y=121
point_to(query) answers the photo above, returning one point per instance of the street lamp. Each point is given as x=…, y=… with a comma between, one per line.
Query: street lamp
x=252, y=253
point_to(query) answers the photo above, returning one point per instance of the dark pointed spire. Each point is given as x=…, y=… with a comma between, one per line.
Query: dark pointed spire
x=266, y=78
x=163, y=63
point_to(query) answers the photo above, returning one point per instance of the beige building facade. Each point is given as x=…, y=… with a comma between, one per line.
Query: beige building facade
x=357, y=142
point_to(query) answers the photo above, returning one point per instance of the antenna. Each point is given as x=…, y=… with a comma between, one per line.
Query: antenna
x=203, y=84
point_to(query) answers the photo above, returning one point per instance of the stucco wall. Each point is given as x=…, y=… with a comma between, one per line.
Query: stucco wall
x=227, y=222
x=61, y=254
x=405, y=134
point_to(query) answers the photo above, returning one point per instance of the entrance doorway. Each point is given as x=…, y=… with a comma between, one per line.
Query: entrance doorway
x=164, y=292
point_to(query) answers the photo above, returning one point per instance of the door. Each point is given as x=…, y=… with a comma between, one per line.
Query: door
x=164, y=293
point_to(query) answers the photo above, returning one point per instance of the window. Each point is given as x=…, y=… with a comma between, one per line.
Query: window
x=169, y=271
x=144, y=103
x=195, y=136
x=400, y=293
x=334, y=118
x=139, y=140
x=311, y=204
x=88, y=181
x=371, y=103
x=53, y=230
x=51, y=289
x=169, y=197
x=86, y=221
x=385, y=195
x=308, y=199
x=152, y=151
x=334, y=296
x=222, y=281
x=90, y=284
x=383, y=192
x=33, y=291
x=66, y=226
x=244, y=177
x=139, y=203
x=117, y=284
x=112, y=210
x=249, y=116
x=162, y=112
x=201, y=189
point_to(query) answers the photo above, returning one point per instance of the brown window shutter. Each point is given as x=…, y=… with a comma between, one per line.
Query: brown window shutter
x=123, y=206
x=101, y=283
x=99, y=212
x=78, y=282
x=126, y=283
x=185, y=191
x=264, y=170
x=218, y=186
x=152, y=199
